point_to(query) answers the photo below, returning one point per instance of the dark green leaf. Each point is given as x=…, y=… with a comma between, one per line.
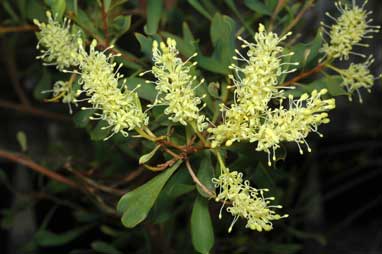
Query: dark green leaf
x=145, y=43
x=136, y=204
x=121, y=25
x=305, y=53
x=154, y=11
x=199, y=8
x=202, y=232
x=43, y=85
x=99, y=132
x=47, y=238
x=57, y=6
x=258, y=6
x=103, y=247
x=146, y=91
x=81, y=118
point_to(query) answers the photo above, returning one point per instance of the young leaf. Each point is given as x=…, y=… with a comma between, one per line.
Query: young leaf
x=135, y=205
x=146, y=157
x=202, y=232
x=22, y=139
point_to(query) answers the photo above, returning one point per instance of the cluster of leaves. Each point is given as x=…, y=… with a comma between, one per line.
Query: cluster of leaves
x=132, y=26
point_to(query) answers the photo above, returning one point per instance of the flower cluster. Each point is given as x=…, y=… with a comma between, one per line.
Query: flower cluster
x=357, y=76
x=175, y=85
x=119, y=107
x=350, y=28
x=303, y=116
x=255, y=83
x=348, y=31
x=250, y=118
x=60, y=46
x=246, y=202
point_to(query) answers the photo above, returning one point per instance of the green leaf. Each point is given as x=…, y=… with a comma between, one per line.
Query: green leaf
x=211, y=64
x=331, y=83
x=147, y=91
x=305, y=53
x=264, y=180
x=199, y=8
x=205, y=174
x=99, y=132
x=121, y=25
x=35, y=10
x=44, y=84
x=259, y=7
x=47, y=238
x=202, y=232
x=223, y=38
x=135, y=205
x=81, y=118
x=57, y=6
x=146, y=157
x=145, y=43
x=103, y=247
x=154, y=11
x=22, y=139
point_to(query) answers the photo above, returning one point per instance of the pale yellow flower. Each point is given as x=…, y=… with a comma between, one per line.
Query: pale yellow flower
x=349, y=29
x=57, y=44
x=245, y=201
x=176, y=85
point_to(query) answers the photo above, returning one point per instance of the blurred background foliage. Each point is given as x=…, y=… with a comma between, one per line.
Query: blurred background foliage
x=67, y=205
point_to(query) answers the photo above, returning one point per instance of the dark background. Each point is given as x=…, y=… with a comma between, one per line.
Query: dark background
x=341, y=179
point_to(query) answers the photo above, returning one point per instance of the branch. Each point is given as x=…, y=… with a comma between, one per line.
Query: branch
x=304, y=75
x=197, y=181
x=38, y=168
x=279, y=6
x=15, y=29
x=10, y=64
x=34, y=111
x=105, y=24
x=298, y=17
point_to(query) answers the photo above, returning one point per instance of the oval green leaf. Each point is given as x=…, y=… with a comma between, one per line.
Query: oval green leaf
x=135, y=205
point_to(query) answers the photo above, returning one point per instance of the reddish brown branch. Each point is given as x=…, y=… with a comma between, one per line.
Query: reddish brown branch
x=16, y=29
x=38, y=168
x=105, y=24
x=304, y=75
x=34, y=111
x=10, y=63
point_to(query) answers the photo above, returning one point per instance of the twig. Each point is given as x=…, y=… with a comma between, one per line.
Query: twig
x=38, y=168
x=298, y=17
x=34, y=111
x=105, y=24
x=10, y=63
x=16, y=29
x=197, y=181
x=303, y=75
x=93, y=183
x=278, y=8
